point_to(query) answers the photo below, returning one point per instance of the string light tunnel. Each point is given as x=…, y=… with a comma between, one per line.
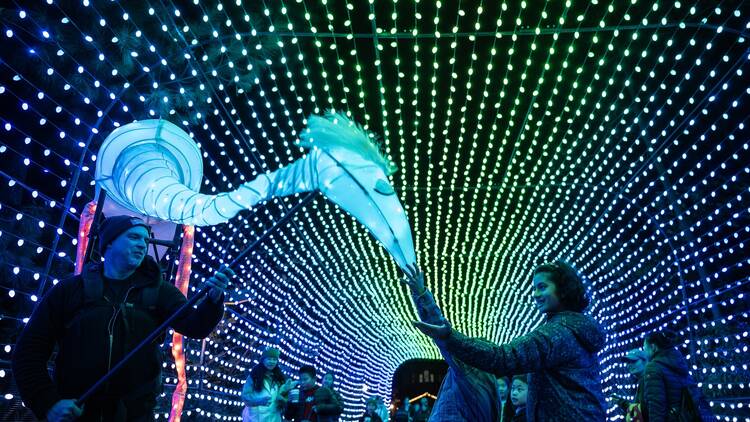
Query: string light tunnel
x=611, y=134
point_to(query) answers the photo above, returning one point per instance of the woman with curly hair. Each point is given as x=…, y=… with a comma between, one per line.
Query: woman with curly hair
x=560, y=355
x=264, y=390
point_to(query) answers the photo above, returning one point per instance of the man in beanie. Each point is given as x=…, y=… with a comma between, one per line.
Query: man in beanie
x=94, y=319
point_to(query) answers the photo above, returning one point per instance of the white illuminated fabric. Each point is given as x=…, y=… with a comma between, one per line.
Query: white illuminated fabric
x=154, y=168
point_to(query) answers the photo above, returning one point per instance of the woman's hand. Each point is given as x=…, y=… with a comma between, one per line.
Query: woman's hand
x=286, y=387
x=414, y=279
x=441, y=331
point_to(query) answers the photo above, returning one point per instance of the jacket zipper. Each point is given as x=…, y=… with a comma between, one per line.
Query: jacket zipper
x=112, y=329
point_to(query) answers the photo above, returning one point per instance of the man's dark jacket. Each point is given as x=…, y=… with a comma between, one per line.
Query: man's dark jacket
x=82, y=334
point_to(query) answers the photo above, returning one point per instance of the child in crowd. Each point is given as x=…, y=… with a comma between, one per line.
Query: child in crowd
x=518, y=391
x=302, y=398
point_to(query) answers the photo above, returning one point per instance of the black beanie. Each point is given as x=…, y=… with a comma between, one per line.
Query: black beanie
x=114, y=226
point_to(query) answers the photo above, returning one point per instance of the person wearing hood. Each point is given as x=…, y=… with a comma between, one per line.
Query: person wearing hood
x=94, y=319
x=666, y=379
x=560, y=355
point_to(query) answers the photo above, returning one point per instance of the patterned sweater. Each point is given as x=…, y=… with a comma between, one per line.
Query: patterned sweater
x=560, y=357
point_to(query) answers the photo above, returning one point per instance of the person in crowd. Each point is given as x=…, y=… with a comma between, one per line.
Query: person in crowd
x=302, y=397
x=402, y=413
x=421, y=411
x=328, y=403
x=503, y=393
x=560, y=355
x=382, y=411
x=636, y=364
x=371, y=411
x=263, y=392
x=518, y=394
x=668, y=386
x=95, y=318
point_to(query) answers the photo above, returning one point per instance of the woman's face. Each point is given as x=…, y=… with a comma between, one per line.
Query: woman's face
x=328, y=380
x=502, y=388
x=270, y=362
x=545, y=294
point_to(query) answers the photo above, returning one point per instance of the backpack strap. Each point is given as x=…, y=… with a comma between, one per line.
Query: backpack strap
x=93, y=287
x=93, y=292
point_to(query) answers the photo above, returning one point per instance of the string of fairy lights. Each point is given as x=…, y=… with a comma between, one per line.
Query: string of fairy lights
x=607, y=133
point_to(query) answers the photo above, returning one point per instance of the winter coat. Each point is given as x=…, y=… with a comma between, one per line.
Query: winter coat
x=665, y=377
x=86, y=347
x=561, y=358
x=506, y=411
x=466, y=393
x=268, y=413
x=328, y=404
x=382, y=411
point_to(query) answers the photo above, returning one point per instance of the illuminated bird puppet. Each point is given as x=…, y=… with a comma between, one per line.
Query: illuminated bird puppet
x=154, y=168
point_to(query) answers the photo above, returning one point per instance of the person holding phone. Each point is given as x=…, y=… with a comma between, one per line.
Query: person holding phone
x=301, y=401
